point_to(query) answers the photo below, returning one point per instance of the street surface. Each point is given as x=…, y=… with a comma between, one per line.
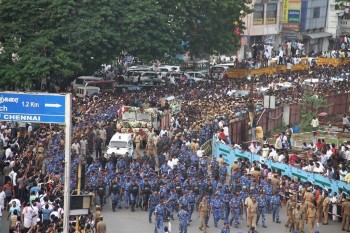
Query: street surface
x=124, y=221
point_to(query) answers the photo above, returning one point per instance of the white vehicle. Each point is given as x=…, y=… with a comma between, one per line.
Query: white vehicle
x=150, y=78
x=169, y=68
x=83, y=80
x=196, y=74
x=140, y=67
x=136, y=118
x=88, y=90
x=119, y=145
x=220, y=71
x=311, y=81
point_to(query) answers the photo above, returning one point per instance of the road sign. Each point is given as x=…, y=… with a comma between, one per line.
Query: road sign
x=32, y=107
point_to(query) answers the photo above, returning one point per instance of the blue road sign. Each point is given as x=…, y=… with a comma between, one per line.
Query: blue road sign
x=24, y=107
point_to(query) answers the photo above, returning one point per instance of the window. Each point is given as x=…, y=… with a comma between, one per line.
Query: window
x=258, y=16
x=271, y=13
x=316, y=12
x=118, y=144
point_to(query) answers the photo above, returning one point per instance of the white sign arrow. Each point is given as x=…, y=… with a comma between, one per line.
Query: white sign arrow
x=53, y=105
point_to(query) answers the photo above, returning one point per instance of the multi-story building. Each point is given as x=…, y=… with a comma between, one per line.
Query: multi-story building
x=313, y=21
x=317, y=23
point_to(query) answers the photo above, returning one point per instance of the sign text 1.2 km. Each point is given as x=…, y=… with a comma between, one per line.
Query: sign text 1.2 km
x=40, y=108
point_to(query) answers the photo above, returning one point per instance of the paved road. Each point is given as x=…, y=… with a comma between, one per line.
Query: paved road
x=124, y=221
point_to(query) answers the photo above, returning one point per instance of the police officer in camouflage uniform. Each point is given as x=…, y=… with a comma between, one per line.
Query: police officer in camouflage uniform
x=115, y=193
x=276, y=205
x=216, y=205
x=183, y=219
x=261, y=200
x=236, y=209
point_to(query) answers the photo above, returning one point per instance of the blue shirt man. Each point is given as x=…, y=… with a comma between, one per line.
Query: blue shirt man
x=159, y=213
x=183, y=220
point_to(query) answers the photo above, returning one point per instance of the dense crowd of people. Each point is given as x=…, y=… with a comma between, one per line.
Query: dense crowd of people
x=168, y=175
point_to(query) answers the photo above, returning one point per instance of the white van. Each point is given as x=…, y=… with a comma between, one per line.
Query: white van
x=83, y=80
x=120, y=144
x=88, y=90
x=220, y=71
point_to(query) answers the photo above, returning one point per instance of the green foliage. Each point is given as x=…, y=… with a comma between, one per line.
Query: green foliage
x=64, y=39
x=310, y=106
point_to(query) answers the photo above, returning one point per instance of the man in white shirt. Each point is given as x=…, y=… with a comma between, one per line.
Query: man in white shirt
x=103, y=135
x=2, y=198
x=347, y=153
x=278, y=143
x=13, y=176
x=318, y=168
x=83, y=146
x=76, y=147
x=162, y=132
x=314, y=123
x=252, y=148
x=227, y=134
x=30, y=128
x=9, y=153
x=28, y=213
x=35, y=215
x=281, y=157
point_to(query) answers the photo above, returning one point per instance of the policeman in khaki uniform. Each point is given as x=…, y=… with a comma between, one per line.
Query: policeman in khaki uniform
x=203, y=213
x=303, y=211
x=325, y=208
x=298, y=218
x=101, y=226
x=319, y=206
x=137, y=141
x=290, y=207
x=311, y=214
x=97, y=215
x=247, y=202
x=345, y=210
x=308, y=197
x=252, y=213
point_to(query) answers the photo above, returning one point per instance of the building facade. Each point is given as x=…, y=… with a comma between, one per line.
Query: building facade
x=319, y=24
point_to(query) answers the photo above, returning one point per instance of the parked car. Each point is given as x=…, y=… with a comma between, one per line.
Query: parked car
x=150, y=78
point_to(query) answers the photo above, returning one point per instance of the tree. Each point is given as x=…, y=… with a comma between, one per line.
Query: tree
x=310, y=104
x=60, y=40
x=207, y=25
x=147, y=32
x=55, y=38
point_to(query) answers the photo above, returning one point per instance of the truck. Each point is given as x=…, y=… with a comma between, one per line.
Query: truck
x=135, y=119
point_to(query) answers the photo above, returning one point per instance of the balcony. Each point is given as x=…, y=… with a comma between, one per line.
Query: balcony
x=344, y=24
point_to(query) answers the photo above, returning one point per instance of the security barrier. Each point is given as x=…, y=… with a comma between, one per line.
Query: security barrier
x=230, y=155
x=276, y=69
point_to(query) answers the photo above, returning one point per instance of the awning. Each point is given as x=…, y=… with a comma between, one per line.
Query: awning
x=317, y=35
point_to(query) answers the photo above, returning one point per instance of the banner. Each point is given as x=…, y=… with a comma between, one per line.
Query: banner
x=270, y=20
x=291, y=10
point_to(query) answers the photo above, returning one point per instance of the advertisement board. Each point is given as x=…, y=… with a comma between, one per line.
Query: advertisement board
x=291, y=10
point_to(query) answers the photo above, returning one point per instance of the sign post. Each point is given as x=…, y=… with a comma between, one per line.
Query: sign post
x=67, y=153
x=43, y=108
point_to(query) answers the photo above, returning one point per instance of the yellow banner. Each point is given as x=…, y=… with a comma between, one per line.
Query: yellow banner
x=258, y=21
x=294, y=6
x=270, y=21
x=285, y=11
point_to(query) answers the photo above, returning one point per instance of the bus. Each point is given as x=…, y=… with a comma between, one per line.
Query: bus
x=220, y=71
x=84, y=91
x=83, y=80
x=104, y=85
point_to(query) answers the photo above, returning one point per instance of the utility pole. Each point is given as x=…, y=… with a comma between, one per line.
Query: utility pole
x=78, y=191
